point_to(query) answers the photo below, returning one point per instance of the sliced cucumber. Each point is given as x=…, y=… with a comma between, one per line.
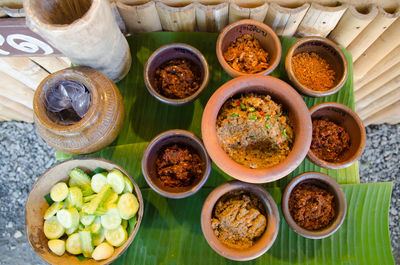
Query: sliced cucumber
x=53, y=209
x=72, y=183
x=116, y=179
x=89, y=198
x=73, y=244
x=74, y=198
x=98, y=238
x=116, y=237
x=98, y=181
x=79, y=177
x=59, y=192
x=96, y=225
x=111, y=219
x=86, y=243
x=57, y=246
x=71, y=230
x=86, y=219
x=52, y=228
x=124, y=223
x=128, y=206
x=68, y=217
x=91, y=207
x=103, y=251
x=128, y=185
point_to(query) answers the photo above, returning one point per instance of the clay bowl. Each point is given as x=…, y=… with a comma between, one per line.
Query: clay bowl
x=153, y=150
x=264, y=34
x=322, y=181
x=327, y=50
x=169, y=52
x=263, y=243
x=280, y=92
x=349, y=120
x=36, y=206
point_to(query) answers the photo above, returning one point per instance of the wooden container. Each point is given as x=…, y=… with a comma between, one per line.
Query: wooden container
x=97, y=129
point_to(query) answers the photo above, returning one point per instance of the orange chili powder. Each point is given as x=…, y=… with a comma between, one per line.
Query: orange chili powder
x=313, y=71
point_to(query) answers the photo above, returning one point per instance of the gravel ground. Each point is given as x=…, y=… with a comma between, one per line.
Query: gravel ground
x=24, y=156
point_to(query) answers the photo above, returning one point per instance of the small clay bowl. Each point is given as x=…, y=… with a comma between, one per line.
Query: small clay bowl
x=322, y=181
x=327, y=50
x=349, y=120
x=153, y=150
x=36, y=206
x=265, y=35
x=169, y=52
x=281, y=93
x=263, y=243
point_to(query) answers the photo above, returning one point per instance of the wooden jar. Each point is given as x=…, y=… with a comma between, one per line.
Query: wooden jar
x=97, y=129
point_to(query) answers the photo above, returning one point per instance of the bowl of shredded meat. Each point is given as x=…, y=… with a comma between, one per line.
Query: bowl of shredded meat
x=248, y=47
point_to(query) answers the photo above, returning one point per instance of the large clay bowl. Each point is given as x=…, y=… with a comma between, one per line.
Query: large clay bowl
x=280, y=92
x=36, y=206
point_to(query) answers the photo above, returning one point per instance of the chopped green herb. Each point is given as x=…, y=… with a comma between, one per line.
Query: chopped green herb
x=253, y=117
x=268, y=126
x=242, y=106
x=284, y=133
x=252, y=137
x=234, y=115
x=268, y=117
x=251, y=109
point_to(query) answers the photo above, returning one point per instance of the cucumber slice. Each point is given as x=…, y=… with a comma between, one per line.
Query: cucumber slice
x=59, y=192
x=124, y=224
x=72, y=183
x=57, y=246
x=103, y=251
x=91, y=207
x=98, y=238
x=79, y=177
x=128, y=185
x=96, y=226
x=98, y=181
x=68, y=217
x=86, y=219
x=73, y=244
x=52, y=228
x=74, y=198
x=128, y=206
x=89, y=198
x=86, y=243
x=53, y=209
x=116, y=179
x=111, y=219
x=71, y=230
x=116, y=237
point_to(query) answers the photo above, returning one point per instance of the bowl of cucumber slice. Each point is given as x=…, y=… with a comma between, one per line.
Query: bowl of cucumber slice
x=83, y=211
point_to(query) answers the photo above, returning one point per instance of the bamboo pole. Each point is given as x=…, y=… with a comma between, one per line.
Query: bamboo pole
x=385, y=64
x=138, y=16
x=15, y=90
x=352, y=23
x=84, y=30
x=390, y=114
x=285, y=20
x=177, y=18
x=387, y=42
x=50, y=64
x=14, y=110
x=379, y=104
x=24, y=70
x=320, y=20
x=374, y=29
x=237, y=12
x=212, y=18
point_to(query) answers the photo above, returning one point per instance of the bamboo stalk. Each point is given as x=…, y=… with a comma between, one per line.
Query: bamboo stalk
x=15, y=90
x=212, y=18
x=237, y=12
x=320, y=20
x=177, y=18
x=379, y=104
x=352, y=23
x=387, y=42
x=51, y=64
x=285, y=20
x=24, y=70
x=390, y=114
x=138, y=16
x=385, y=64
x=14, y=110
x=84, y=30
x=374, y=29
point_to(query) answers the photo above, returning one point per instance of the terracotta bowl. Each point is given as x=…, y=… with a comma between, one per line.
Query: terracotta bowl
x=325, y=182
x=264, y=34
x=36, y=206
x=280, y=92
x=349, y=120
x=263, y=243
x=152, y=151
x=169, y=52
x=326, y=49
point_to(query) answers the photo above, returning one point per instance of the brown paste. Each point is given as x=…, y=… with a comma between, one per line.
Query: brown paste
x=177, y=78
x=238, y=220
x=311, y=207
x=329, y=140
x=178, y=166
